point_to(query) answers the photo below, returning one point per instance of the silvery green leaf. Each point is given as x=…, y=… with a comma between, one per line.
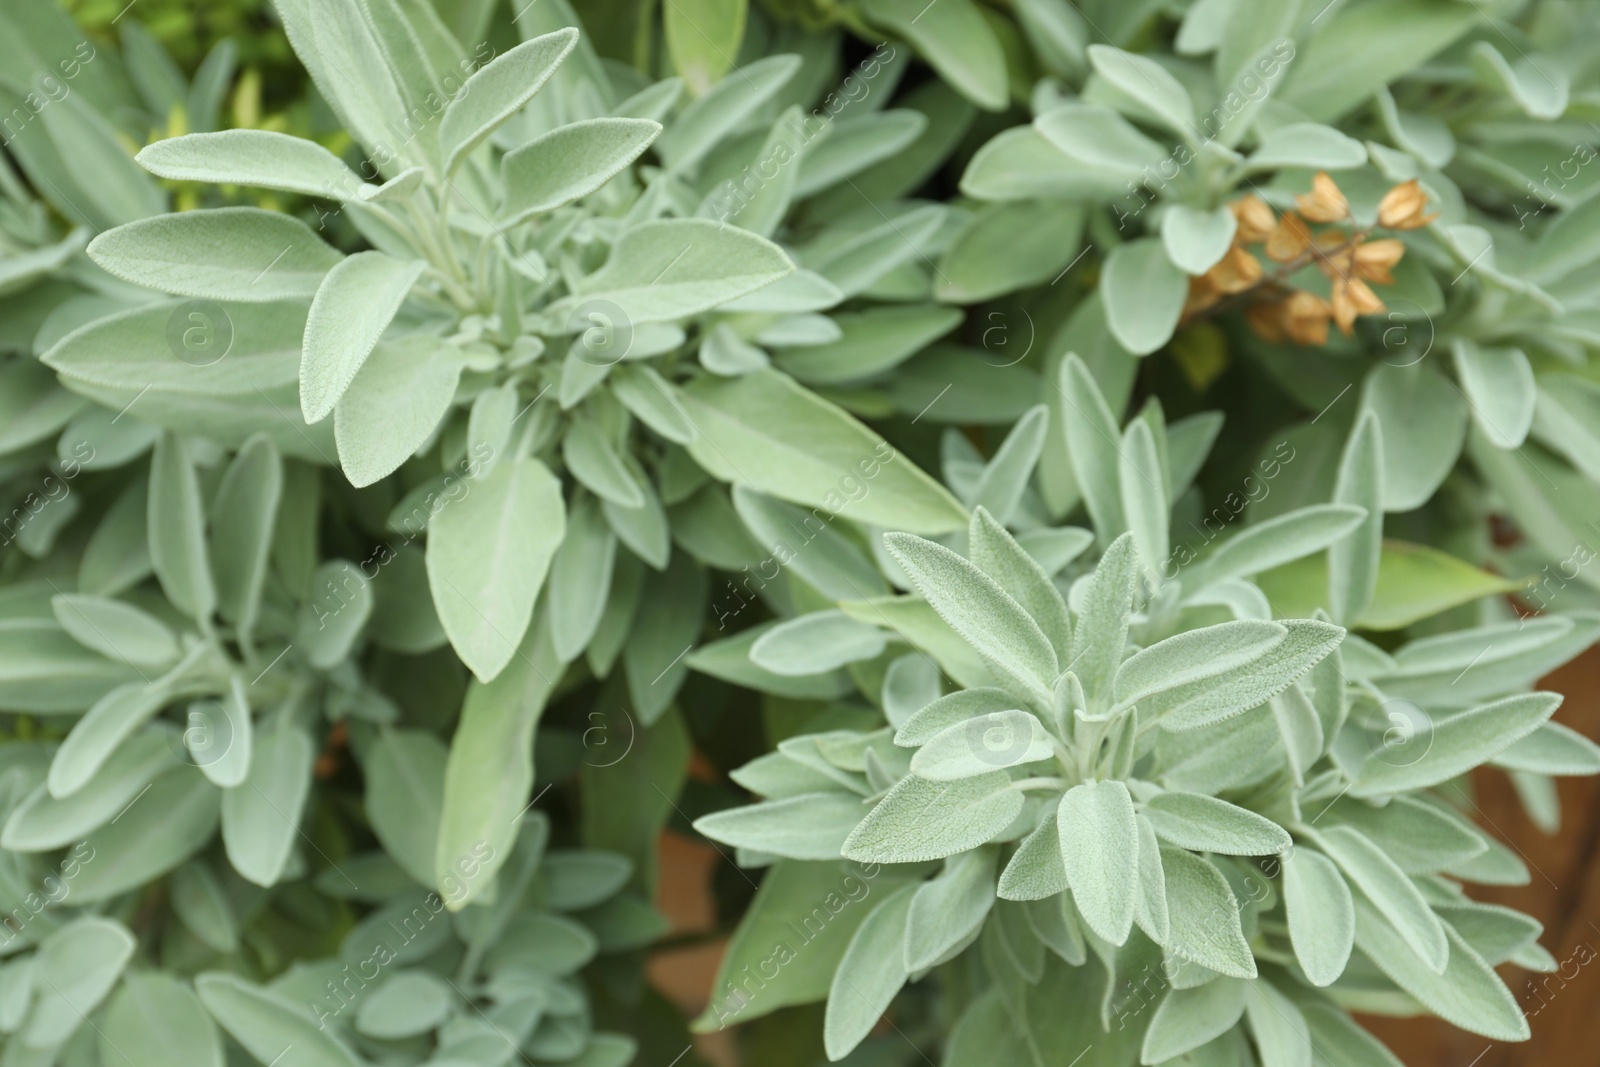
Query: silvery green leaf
x=982, y=744
x=220, y=737
x=1301, y=730
x=873, y=340
x=95, y=737
x=1150, y=903
x=1467, y=992
x=725, y=107
x=594, y=460
x=261, y=818
x=580, y=578
x=202, y=905
x=1207, y=824
x=337, y=608
x=117, y=555
x=765, y=432
x=1199, y=704
x=956, y=41
x=998, y=555
x=1421, y=837
x=853, y=143
x=243, y=516
x=1551, y=749
x=1103, y=622
x=1310, y=145
x=261, y=158
x=1055, y=922
x=1496, y=933
x=1343, y=1042
x=569, y=162
x=1499, y=383
x=405, y=792
x=114, y=629
x=857, y=258
x=1457, y=744
x=489, y=426
x=653, y=401
x=1100, y=848
x=812, y=826
x=1456, y=668
x=1092, y=444
x=156, y=1021
x=167, y=823
x=644, y=529
x=921, y=820
x=16, y=992
x=1353, y=562
x=978, y=609
x=497, y=90
x=816, y=642
x=810, y=545
x=228, y=253
x=948, y=910
x=672, y=268
x=725, y=353
x=41, y=822
x=1147, y=83
x=950, y=710
x=1278, y=1027
x=244, y=348
x=393, y=404
x=75, y=968
x=176, y=531
x=354, y=305
x=753, y=199
x=671, y=615
x=1539, y=87
x=487, y=556
x=1424, y=420
x=1196, y=240
x=1390, y=891
x=1322, y=919
x=1005, y=477
x=1006, y=247
x=1188, y=1018
x=574, y=880
x=910, y=684
x=1281, y=539
x=1187, y=446
x=1144, y=294
x=872, y=971
x=1186, y=658
x=489, y=774
x=1035, y=870
x=1564, y=421
x=1096, y=137
x=1204, y=915
x=266, y=1023
x=406, y=1004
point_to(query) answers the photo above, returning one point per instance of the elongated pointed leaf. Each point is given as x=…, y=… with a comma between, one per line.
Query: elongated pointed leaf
x=497, y=90
x=1100, y=849
x=978, y=609
x=228, y=253
x=487, y=557
x=570, y=162
x=1207, y=824
x=262, y=158
x=921, y=820
x=352, y=308
x=1322, y=920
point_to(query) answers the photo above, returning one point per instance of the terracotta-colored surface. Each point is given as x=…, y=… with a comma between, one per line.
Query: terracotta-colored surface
x=684, y=974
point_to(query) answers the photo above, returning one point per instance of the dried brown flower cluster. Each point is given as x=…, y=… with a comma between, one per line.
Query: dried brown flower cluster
x=1344, y=252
